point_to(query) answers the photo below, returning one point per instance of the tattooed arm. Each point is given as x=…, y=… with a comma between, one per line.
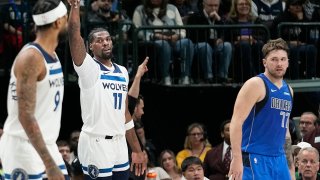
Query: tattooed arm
x=76, y=43
x=287, y=148
x=30, y=68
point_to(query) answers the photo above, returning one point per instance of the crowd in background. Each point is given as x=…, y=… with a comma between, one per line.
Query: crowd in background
x=185, y=55
x=187, y=45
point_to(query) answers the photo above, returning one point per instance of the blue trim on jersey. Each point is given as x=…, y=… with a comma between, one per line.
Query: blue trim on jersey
x=49, y=59
x=105, y=170
x=34, y=176
x=55, y=71
x=121, y=165
x=114, y=78
x=103, y=68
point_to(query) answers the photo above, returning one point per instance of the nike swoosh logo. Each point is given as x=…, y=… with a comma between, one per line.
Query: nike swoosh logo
x=273, y=90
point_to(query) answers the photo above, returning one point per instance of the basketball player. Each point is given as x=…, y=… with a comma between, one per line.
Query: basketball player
x=107, y=122
x=259, y=126
x=35, y=94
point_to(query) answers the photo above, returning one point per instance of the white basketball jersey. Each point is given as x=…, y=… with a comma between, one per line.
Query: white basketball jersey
x=103, y=105
x=49, y=98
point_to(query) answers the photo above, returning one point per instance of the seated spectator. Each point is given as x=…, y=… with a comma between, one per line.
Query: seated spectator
x=17, y=23
x=217, y=161
x=185, y=9
x=192, y=169
x=101, y=14
x=158, y=172
x=295, y=152
x=64, y=149
x=195, y=144
x=267, y=10
x=302, y=51
x=169, y=163
x=169, y=43
x=210, y=40
x=248, y=42
x=308, y=160
x=307, y=123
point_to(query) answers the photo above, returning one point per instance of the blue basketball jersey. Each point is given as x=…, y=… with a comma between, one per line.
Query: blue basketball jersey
x=265, y=128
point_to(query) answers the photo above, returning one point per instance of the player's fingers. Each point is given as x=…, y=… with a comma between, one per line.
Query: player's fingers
x=131, y=166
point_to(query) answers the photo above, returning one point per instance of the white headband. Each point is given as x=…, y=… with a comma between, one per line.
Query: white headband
x=50, y=16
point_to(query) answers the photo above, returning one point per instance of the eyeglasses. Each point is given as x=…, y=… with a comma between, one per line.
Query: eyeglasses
x=196, y=134
x=305, y=162
x=305, y=123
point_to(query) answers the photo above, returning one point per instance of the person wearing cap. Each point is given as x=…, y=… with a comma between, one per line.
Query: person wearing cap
x=35, y=96
x=107, y=121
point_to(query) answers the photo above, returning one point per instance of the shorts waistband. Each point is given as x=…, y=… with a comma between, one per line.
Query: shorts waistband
x=109, y=137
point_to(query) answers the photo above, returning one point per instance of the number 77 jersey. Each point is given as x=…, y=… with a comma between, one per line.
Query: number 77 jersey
x=265, y=128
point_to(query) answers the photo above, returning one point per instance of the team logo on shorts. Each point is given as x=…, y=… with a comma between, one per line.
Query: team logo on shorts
x=93, y=171
x=19, y=174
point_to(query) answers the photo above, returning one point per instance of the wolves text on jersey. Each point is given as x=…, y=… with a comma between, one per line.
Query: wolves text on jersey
x=56, y=82
x=115, y=86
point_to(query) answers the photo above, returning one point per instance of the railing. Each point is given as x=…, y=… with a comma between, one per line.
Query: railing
x=265, y=34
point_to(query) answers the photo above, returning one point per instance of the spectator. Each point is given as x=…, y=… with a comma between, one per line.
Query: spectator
x=298, y=39
x=102, y=14
x=169, y=163
x=307, y=123
x=64, y=149
x=185, y=9
x=195, y=144
x=209, y=41
x=216, y=165
x=248, y=42
x=168, y=42
x=308, y=160
x=160, y=173
x=147, y=144
x=73, y=142
x=267, y=10
x=192, y=168
x=16, y=17
x=295, y=151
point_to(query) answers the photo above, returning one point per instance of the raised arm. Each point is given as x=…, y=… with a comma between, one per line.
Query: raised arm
x=135, y=86
x=250, y=93
x=76, y=43
x=29, y=68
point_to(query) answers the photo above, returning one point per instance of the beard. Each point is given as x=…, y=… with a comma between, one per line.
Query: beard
x=107, y=56
x=62, y=36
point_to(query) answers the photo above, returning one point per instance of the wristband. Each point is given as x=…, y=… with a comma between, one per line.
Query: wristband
x=129, y=125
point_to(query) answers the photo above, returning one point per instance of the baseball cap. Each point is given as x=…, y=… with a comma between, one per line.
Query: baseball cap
x=300, y=145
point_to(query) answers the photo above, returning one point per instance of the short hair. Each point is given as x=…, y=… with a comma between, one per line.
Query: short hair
x=61, y=143
x=309, y=149
x=223, y=124
x=93, y=31
x=190, y=161
x=310, y=113
x=43, y=6
x=275, y=44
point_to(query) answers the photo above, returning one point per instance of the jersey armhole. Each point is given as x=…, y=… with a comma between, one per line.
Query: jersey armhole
x=261, y=104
